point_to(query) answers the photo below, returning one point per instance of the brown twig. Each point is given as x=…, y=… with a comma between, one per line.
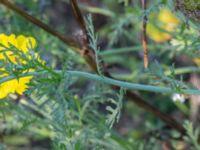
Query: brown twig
x=89, y=57
x=80, y=20
x=149, y=108
x=85, y=38
x=85, y=46
x=144, y=35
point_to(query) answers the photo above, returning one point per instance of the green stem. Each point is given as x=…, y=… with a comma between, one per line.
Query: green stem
x=132, y=86
x=184, y=70
x=106, y=80
x=98, y=10
x=178, y=71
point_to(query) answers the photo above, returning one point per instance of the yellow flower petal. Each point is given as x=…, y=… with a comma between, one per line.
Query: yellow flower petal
x=22, y=43
x=26, y=43
x=6, y=88
x=166, y=16
x=165, y=21
x=156, y=34
x=22, y=81
x=197, y=61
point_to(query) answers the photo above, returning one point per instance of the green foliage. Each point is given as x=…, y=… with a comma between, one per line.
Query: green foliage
x=116, y=112
x=191, y=5
x=193, y=135
x=93, y=43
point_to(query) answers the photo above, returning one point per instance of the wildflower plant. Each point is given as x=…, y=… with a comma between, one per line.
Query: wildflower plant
x=71, y=94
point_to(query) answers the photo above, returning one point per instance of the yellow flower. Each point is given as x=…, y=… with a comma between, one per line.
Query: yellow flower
x=197, y=61
x=23, y=44
x=159, y=23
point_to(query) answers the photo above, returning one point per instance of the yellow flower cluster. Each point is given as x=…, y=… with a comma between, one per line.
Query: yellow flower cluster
x=23, y=44
x=164, y=21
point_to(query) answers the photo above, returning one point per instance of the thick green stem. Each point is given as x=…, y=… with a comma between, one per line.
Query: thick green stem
x=106, y=80
x=184, y=70
x=128, y=85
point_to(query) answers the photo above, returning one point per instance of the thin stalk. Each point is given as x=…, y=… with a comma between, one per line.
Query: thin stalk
x=144, y=35
x=97, y=10
x=177, y=71
x=184, y=70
